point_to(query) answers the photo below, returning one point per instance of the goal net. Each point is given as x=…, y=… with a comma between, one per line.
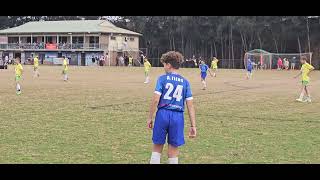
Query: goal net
x=265, y=60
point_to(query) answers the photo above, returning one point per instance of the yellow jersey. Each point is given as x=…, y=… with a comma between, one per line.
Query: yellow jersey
x=305, y=69
x=214, y=64
x=147, y=66
x=130, y=60
x=35, y=62
x=65, y=64
x=18, y=68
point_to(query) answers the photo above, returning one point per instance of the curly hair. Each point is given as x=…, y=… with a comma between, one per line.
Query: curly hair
x=172, y=57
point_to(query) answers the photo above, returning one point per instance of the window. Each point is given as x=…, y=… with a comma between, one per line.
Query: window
x=28, y=39
x=13, y=39
x=34, y=39
x=49, y=39
x=94, y=40
x=77, y=40
x=132, y=39
x=113, y=38
x=63, y=39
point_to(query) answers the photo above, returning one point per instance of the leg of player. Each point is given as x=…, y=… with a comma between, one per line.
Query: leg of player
x=146, y=73
x=18, y=88
x=203, y=83
x=34, y=72
x=156, y=154
x=300, y=99
x=308, y=94
x=173, y=153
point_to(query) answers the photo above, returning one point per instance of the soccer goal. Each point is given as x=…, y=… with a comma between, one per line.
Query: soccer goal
x=265, y=60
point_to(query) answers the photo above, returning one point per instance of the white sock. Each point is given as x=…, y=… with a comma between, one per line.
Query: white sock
x=301, y=96
x=173, y=160
x=18, y=87
x=155, y=158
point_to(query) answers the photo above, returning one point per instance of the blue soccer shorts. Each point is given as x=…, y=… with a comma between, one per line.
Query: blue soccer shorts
x=169, y=123
x=203, y=75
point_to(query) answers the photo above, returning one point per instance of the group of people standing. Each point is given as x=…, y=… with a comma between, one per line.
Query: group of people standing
x=285, y=64
x=124, y=60
x=100, y=61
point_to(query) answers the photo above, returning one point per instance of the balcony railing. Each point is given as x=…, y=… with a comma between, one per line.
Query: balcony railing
x=54, y=46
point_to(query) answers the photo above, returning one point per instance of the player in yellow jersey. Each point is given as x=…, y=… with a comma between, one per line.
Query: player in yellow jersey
x=36, y=67
x=130, y=60
x=65, y=68
x=147, y=67
x=18, y=72
x=306, y=68
x=214, y=66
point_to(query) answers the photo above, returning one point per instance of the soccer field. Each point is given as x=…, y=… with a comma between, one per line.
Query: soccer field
x=99, y=116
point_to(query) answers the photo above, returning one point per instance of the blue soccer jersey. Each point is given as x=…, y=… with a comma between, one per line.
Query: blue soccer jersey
x=174, y=90
x=249, y=65
x=204, y=68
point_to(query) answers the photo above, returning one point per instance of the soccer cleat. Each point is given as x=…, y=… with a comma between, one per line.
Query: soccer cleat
x=308, y=100
x=299, y=100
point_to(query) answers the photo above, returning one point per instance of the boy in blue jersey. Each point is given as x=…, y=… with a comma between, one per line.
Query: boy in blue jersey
x=249, y=68
x=171, y=93
x=204, y=68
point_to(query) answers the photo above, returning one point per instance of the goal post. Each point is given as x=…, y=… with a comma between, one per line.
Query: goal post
x=265, y=60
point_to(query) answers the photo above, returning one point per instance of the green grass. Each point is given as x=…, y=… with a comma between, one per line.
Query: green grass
x=99, y=116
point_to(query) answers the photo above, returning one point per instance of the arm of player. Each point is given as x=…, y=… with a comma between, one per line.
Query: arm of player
x=192, y=117
x=311, y=69
x=153, y=106
x=298, y=74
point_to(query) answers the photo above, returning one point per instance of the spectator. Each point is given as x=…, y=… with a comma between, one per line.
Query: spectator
x=121, y=60
x=279, y=64
x=141, y=59
x=101, y=61
x=126, y=60
x=293, y=63
x=286, y=63
x=106, y=58
x=93, y=59
x=117, y=60
x=130, y=60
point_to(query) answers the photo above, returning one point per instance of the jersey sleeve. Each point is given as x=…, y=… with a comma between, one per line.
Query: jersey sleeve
x=310, y=67
x=159, y=86
x=188, y=92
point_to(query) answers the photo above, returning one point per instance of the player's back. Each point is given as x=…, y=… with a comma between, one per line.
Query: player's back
x=174, y=90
